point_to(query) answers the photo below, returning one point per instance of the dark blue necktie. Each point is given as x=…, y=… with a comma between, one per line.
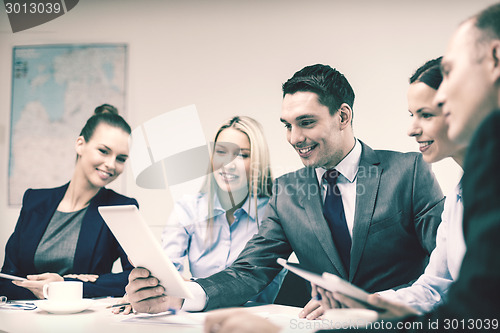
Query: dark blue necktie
x=333, y=210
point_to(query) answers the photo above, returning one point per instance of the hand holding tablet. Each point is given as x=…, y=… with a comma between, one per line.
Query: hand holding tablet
x=328, y=281
x=138, y=241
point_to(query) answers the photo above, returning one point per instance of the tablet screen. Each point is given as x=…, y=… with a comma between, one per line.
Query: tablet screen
x=137, y=240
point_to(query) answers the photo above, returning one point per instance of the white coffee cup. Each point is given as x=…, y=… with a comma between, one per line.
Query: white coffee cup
x=63, y=291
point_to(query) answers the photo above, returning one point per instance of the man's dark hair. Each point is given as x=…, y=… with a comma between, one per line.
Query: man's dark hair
x=488, y=20
x=330, y=85
x=429, y=73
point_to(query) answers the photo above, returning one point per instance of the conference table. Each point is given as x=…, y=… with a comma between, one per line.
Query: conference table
x=98, y=318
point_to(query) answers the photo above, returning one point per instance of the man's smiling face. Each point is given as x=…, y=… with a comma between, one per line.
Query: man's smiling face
x=312, y=131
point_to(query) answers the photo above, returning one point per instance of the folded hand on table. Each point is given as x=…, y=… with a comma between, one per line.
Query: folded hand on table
x=83, y=277
x=145, y=294
x=35, y=283
x=237, y=321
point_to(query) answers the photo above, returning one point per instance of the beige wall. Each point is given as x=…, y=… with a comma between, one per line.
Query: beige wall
x=231, y=57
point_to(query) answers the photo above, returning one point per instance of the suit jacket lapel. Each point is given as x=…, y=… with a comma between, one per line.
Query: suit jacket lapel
x=313, y=205
x=368, y=180
x=89, y=232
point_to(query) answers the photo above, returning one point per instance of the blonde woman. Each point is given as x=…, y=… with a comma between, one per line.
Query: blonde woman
x=210, y=229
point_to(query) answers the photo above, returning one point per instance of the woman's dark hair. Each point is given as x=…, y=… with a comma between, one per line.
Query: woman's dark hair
x=107, y=114
x=429, y=73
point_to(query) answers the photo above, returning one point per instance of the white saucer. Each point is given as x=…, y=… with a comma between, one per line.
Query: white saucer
x=64, y=308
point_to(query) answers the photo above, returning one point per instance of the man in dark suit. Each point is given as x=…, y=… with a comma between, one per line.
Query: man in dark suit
x=470, y=96
x=379, y=238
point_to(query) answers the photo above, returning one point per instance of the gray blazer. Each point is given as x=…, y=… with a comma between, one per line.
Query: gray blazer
x=398, y=209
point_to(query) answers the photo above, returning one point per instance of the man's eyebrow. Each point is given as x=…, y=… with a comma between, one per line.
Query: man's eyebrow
x=305, y=116
x=302, y=117
x=422, y=109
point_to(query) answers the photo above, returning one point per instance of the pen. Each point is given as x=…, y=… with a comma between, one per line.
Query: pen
x=170, y=310
x=119, y=305
x=19, y=306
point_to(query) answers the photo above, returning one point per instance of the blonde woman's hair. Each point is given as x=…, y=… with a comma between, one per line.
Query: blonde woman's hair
x=260, y=181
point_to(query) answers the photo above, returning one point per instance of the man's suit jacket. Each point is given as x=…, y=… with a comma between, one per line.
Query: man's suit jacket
x=96, y=249
x=398, y=208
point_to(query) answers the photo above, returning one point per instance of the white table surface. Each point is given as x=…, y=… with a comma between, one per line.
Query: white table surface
x=99, y=319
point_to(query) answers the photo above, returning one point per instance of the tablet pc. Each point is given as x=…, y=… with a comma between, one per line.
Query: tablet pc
x=327, y=281
x=137, y=240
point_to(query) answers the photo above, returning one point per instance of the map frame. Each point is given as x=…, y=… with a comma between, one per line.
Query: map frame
x=45, y=121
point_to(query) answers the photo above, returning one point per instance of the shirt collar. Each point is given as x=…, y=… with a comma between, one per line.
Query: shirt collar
x=218, y=210
x=349, y=165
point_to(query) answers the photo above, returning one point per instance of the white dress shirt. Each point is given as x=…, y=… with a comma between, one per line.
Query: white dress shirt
x=210, y=250
x=444, y=264
x=346, y=182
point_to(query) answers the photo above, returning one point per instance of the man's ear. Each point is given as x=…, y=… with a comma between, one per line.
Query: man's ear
x=345, y=113
x=80, y=142
x=495, y=53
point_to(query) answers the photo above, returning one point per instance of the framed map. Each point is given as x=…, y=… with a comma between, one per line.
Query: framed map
x=55, y=89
